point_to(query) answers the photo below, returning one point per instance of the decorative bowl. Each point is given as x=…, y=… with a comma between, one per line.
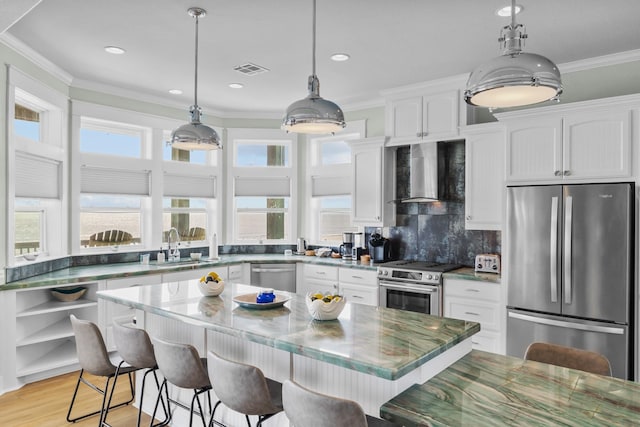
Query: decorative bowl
x=321, y=310
x=195, y=256
x=68, y=294
x=30, y=256
x=211, y=288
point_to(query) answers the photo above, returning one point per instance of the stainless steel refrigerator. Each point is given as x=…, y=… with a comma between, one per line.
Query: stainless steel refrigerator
x=570, y=269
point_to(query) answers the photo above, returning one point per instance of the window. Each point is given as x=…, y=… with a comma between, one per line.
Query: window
x=195, y=157
x=29, y=223
x=261, y=185
x=110, y=220
x=26, y=123
x=329, y=185
x=115, y=139
x=188, y=216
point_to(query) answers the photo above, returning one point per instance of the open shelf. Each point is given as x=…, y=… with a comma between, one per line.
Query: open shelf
x=60, y=356
x=58, y=330
x=51, y=306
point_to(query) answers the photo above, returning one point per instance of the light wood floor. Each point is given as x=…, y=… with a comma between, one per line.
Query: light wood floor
x=45, y=404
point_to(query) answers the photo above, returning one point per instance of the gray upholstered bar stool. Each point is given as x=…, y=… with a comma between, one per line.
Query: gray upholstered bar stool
x=181, y=365
x=309, y=408
x=568, y=357
x=244, y=389
x=94, y=359
x=135, y=348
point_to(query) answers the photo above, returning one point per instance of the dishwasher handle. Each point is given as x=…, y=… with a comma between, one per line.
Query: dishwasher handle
x=271, y=270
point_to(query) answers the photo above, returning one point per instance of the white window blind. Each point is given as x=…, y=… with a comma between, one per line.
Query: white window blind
x=330, y=186
x=189, y=186
x=262, y=186
x=114, y=181
x=37, y=177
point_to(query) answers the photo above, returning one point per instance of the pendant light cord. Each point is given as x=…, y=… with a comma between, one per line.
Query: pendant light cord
x=513, y=14
x=195, y=89
x=313, y=40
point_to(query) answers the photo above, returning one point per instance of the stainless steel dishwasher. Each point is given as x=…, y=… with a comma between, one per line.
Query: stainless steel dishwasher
x=281, y=277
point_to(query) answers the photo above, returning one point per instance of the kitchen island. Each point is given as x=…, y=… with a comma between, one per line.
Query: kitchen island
x=487, y=389
x=368, y=354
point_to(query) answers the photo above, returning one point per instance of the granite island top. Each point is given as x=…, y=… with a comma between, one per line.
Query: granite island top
x=486, y=389
x=131, y=269
x=387, y=343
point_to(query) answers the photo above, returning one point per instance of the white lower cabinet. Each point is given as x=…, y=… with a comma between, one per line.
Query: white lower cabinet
x=317, y=278
x=359, y=286
x=478, y=301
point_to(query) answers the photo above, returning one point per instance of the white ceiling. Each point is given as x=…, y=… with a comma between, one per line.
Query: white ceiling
x=391, y=42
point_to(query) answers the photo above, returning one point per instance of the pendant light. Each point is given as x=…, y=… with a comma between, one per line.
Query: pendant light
x=195, y=135
x=313, y=114
x=515, y=78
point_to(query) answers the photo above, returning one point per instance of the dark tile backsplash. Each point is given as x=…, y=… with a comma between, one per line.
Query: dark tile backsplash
x=434, y=231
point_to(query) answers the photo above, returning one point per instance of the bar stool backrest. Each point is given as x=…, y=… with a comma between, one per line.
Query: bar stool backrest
x=92, y=352
x=134, y=346
x=569, y=357
x=180, y=364
x=308, y=408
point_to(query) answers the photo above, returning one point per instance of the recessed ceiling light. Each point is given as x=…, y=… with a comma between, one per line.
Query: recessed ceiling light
x=236, y=85
x=339, y=57
x=115, y=50
x=506, y=11
x=175, y=91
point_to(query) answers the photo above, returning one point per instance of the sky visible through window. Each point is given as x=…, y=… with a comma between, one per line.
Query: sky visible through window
x=27, y=129
x=116, y=144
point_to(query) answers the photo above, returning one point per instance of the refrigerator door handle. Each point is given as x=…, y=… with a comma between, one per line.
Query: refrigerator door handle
x=568, y=220
x=565, y=324
x=553, y=258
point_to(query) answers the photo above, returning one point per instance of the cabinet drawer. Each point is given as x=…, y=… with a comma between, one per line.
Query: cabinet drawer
x=487, y=341
x=323, y=272
x=485, y=314
x=317, y=286
x=235, y=272
x=360, y=294
x=472, y=289
x=359, y=277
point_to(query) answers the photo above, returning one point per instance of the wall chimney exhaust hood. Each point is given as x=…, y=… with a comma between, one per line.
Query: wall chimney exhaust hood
x=424, y=175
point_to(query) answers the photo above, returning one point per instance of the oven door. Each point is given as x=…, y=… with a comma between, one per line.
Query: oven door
x=403, y=296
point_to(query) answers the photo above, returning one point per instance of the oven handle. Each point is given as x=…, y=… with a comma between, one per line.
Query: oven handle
x=418, y=289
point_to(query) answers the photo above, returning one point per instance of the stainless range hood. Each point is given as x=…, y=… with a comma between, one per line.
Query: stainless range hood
x=424, y=183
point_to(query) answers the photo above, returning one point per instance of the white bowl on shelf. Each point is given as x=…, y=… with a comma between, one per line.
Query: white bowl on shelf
x=30, y=256
x=320, y=310
x=195, y=256
x=211, y=288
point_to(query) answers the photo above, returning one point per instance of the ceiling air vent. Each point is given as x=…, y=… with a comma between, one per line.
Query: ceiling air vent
x=250, y=69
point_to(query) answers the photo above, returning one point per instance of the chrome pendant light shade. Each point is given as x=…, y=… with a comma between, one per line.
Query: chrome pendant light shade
x=313, y=114
x=515, y=78
x=195, y=135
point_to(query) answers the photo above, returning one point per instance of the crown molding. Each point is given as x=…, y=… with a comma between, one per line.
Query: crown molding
x=600, y=61
x=36, y=58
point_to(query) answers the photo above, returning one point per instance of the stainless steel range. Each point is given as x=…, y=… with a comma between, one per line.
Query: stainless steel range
x=412, y=285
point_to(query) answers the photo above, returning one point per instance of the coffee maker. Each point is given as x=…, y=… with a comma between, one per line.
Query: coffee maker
x=346, y=248
x=359, y=248
x=379, y=248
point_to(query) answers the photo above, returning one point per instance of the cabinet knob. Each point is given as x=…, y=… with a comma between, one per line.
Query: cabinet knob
x=566, y=173
x=557, y=173
x=468, y=218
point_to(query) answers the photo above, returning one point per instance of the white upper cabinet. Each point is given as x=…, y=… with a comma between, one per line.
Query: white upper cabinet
x=429, y=117
x=373, y=182
x=484, y=176
x=433, y=111
x=584, y=143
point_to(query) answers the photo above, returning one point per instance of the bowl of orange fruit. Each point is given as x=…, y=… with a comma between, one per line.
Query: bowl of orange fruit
x=325, y=306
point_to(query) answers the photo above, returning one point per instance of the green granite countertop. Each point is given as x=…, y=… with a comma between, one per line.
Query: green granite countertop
x=486, y=389
x=383, y=342
x=114, y=271
x=468, y=273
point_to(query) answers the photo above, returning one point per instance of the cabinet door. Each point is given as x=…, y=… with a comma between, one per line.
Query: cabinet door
x=597, y=145
x=440, y=115
x=534, y=150
x=404, y=119
x=484, y=179
x=359, y=294
x=366, y=161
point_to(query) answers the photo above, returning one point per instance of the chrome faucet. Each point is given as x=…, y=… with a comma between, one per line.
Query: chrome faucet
x=173, y=253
